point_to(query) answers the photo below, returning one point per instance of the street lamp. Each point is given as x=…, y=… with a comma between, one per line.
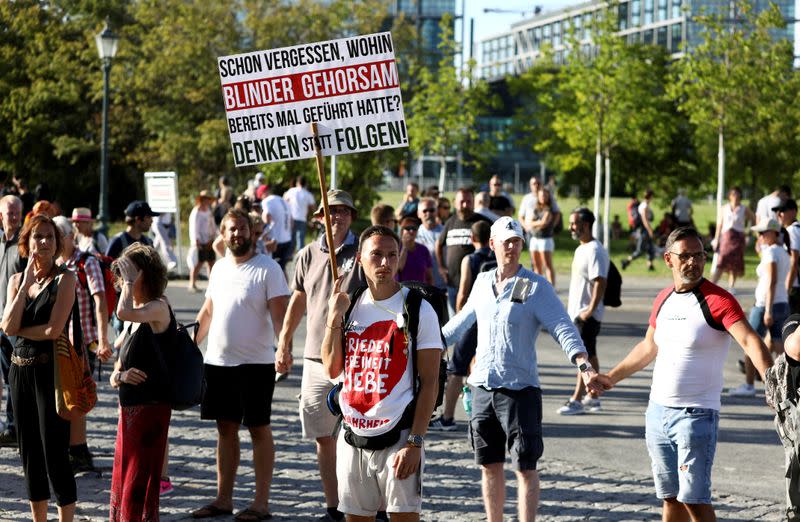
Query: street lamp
x=107, y=47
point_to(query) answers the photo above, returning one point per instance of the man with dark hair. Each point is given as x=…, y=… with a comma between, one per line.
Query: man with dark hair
x=383, y=214
x=138, y=218
x=455, y=243
x=787, y=216
x=385, y=416
x=242, y=315
x=585, y=306
x=312, y=286
x=689, y=334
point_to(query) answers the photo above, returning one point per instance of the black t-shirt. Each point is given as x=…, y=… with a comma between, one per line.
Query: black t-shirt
x=121, y=241
x=456, y=239
x=142, y=350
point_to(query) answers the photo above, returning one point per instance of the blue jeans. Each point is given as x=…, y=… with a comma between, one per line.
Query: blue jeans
x=780, y=311
x=681, y=443
x=299, y=234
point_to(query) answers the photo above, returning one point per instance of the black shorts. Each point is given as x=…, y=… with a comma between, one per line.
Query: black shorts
x=205, y=253
x=283, y=253
x=463, y=352
x=241, y=394
x=589, y=330
x=507, y=419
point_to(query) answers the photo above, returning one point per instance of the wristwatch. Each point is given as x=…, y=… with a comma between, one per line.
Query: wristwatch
x=118, y=378
x=585, y=367
x=415, y=441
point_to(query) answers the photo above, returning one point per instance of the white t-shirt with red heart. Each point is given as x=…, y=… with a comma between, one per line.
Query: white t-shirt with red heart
x=377, y=368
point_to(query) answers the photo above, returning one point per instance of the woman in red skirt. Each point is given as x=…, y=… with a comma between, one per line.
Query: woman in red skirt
x=141, y=376
x=729, y=239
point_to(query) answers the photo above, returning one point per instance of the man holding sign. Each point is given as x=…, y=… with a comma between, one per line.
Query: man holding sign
x=380, y=450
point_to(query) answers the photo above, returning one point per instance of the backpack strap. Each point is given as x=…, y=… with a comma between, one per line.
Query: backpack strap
x=413, y=304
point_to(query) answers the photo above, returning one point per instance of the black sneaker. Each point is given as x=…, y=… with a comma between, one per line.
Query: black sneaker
x=8, y=439
x=625, y=263
x=81, y=463
x=442, y=424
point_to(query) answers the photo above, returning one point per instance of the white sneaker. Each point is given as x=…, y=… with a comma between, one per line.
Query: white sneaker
x=591, y=404
x=571, y=408
x=743, y=390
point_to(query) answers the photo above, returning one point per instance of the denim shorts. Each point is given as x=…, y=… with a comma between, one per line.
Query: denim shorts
x=780, y=311
x=681, y=443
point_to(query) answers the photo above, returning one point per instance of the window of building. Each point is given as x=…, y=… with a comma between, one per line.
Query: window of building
x=537, y=38
x=648, y=12
x=677, y=38
x=648, y=37
x=622, y=17
x=661, y=36
x=587, y=25
x=556, y=34
x=662, y=10
x=636, y=11
x=676, y=8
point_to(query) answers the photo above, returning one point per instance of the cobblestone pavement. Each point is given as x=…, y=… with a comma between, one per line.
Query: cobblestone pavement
x=452, y=487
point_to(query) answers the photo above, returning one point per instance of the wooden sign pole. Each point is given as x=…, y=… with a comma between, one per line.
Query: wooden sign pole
x=324, y=196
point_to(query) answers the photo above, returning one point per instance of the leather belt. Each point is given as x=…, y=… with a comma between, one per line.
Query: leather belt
x=42, y=358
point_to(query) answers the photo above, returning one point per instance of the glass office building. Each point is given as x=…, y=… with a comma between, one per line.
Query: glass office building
x=427, y=15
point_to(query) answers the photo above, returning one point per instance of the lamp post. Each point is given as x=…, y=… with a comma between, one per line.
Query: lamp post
x=106, y=42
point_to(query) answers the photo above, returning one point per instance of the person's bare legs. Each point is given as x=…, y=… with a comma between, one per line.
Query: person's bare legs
x=227, y=462
x=65, y=513
x=674, y=511
x=537, y=258
x=39, y=510
x=193, y=273
x=527, y=494
x=493, y=486
x=716, y=275
x=550, y=273
x=404, y=517
x=701, y=512
x=455, y=384
x=356, y=518
x=263, y=464
x=326, y=459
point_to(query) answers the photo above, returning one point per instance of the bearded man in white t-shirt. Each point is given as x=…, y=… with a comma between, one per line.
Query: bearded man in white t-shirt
x=690, y=331
x=380, y=452
x=242, y=316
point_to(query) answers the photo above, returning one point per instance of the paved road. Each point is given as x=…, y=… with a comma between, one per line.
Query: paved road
x=595, y=467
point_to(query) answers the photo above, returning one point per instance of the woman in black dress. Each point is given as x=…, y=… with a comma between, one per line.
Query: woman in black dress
x=39, y=303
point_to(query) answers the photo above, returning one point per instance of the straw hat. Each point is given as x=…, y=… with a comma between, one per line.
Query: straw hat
x=203, y=195
x=81, y=214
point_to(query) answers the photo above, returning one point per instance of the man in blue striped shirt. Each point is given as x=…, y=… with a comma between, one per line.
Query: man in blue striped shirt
x=511, y=304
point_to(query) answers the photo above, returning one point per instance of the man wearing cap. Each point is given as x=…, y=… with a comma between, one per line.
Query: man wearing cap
x=202, y=231
x=510, y=305
x=138, y=218
x=10, y=264
x=787, y=215
x=312, y=286
x=689, y=335
x=87, y=239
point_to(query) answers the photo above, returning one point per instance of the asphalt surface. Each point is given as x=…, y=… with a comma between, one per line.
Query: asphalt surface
x=595, y=466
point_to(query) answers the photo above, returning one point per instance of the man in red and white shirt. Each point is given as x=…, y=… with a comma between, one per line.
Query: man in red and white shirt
x=93, y=312
x=379, y=453
x=690, y=331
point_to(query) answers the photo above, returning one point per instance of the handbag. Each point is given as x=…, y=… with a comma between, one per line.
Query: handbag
x=185, y=368
x=76, y=391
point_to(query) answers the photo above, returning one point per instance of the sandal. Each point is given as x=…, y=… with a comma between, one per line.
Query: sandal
x=247, y=515
x=211, y=511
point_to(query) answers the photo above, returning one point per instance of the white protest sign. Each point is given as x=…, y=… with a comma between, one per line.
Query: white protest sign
x=350, y=87
x=161, y=189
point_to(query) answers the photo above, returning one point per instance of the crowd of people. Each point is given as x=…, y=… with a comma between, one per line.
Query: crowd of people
x=377, y=335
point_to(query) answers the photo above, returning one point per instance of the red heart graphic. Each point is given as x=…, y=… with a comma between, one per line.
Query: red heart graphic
x=371, y=372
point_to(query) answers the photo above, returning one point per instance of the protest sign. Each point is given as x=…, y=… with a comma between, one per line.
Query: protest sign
x=349, y=87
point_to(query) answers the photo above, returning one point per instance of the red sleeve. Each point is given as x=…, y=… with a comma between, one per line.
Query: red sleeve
x=658, y=303
x=725, y=309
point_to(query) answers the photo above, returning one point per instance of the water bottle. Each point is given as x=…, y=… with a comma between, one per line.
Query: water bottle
x=467, y=401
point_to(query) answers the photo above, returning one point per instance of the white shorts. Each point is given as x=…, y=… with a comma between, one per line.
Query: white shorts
x=542, y=244
x=315, y=417
x=367, y=483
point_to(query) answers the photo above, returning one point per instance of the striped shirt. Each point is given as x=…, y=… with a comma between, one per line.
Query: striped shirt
x=94, y=280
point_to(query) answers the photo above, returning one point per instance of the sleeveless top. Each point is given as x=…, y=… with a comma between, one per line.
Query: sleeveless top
x=37, y=312
x=733, y=218
x=142, y=349
x=543, y=232
x=477, y=258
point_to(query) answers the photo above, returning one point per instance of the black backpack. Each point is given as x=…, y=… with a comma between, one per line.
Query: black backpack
x=418, y=291
x=613, y=294
x=184, y=362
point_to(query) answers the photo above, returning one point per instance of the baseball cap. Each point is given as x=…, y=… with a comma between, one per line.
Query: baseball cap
x=261, y=191
x=338, y=197
x=769, y=224
x=139, y=209
x=82, y=214
x=506, y=228
x=789, y=204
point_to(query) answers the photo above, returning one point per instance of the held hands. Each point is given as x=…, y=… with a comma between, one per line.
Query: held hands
x=597, y=382
x=283, y=359
x=104, y=351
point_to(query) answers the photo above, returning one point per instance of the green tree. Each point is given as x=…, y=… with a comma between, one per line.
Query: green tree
x=443, y=113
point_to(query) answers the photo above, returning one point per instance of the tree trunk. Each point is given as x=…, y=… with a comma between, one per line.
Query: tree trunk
x=442, y=173
x=720, y=170
x=607, y=206
x=598, y=175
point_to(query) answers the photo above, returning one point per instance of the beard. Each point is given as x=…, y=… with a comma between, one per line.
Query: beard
x=240, y=249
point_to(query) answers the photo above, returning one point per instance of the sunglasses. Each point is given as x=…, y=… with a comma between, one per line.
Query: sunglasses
x=428, y=210
x=410, y=228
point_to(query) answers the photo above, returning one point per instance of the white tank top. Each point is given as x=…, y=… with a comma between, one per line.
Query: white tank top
x=733, y=218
